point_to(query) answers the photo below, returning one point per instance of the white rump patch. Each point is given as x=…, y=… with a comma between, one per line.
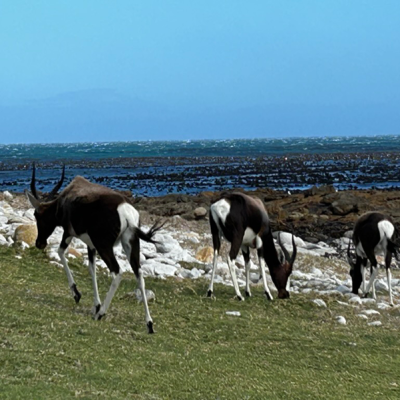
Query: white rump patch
x=220, y=211
x=128, y=215
x=386, y=230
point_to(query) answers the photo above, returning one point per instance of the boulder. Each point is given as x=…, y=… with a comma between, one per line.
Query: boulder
x=26, y=233
x=321, y=191
x=205, y=254
x=74, y=252
x=200, y=213
x=7, y=196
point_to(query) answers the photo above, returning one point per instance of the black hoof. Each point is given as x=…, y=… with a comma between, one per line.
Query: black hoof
x=268, y=296
x=247, y=293
x=209, y=293
x=240, y=298
x=77, y=295
x=100, y=317
x=97, y=309
x=150, y=327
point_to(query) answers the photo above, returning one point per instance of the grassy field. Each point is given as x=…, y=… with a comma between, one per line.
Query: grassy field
x=51, y=348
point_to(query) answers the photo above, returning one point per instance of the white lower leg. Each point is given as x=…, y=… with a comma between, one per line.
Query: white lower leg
x=215, y=262
x=264, y=278
x=142, y=288
x=113, y=288
x=363, y=269
x=288, y=284
x=371, y=282
x=247, y=266
x=389, y=279
x=71, y=282
x=232, y=267
x=96, y=297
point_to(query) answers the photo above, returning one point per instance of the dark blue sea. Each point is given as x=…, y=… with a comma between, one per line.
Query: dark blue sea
x=156, y=168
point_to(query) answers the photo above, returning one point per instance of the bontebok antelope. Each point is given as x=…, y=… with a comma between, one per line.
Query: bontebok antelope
x=244, y=222
x=372, y=235
x=100, y=217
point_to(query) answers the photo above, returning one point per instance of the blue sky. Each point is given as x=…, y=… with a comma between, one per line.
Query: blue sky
x=138, y=70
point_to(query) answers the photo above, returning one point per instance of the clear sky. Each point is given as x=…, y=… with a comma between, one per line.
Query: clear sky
x=75, y=71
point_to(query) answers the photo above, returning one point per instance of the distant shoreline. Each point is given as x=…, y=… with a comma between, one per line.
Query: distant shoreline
x=158, y=176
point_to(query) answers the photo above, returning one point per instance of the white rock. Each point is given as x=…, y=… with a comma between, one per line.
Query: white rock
x=365, y=300
x=164, y=269
x=375, y=323
x=343, y=289
x=234, y=313
x=381, y=286
x=8, y=196
x=3, y=241
x=319, y=302
x=296, y=274
x=30, y=214
x=350, y=295
x=148, y=270
x=355, y=300
x=341, y=320
x=286, y=239
x=166, y=243
x=316, y=272
x=384, y=306
x=3, y=220
x=330, y=293
x=24, y=245
x=196, y=273
x=370, y=312
x=57, y=264
x=149, y=295
x=363, y=316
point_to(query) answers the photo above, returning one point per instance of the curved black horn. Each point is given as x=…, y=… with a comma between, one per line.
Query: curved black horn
x=285, y=252
x=33, y=182
x=289, y=259
x=57, y=187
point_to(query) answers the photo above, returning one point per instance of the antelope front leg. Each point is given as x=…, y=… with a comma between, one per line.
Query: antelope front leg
x=264, y=278
x=71, y=283
x=234, y=280
x=246, y=256
x=371, y=283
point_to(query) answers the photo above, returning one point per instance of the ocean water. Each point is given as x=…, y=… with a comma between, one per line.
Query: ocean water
x=159, y=167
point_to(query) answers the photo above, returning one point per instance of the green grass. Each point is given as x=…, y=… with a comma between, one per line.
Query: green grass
x=51, y=348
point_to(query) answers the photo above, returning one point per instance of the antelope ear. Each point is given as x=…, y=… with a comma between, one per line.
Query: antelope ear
x=32, y=199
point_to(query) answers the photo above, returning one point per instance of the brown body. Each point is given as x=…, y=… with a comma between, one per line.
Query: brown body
x=243, y=221
x=100, y=217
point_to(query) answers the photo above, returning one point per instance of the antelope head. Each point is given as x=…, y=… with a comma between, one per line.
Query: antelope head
x=45, y=210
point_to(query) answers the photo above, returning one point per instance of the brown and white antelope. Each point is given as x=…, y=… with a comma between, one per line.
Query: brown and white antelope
x=101, y=218
x=243, y=221
x=372, y=235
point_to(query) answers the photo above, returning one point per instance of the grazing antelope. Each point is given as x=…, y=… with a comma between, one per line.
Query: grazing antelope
x=243, y=221
x=372, y=235
x=100, y=217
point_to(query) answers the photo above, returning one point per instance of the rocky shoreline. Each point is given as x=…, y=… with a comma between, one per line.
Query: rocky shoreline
x=153, y=176
x=321, y=219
